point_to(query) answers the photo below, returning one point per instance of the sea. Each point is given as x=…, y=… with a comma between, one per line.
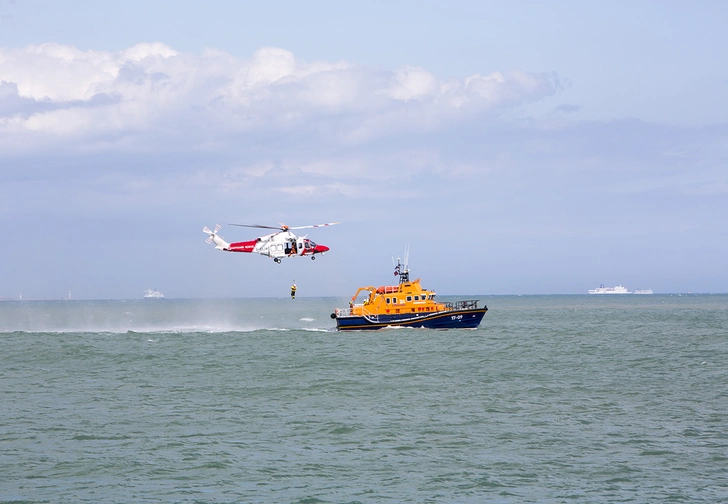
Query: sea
x=553, y=399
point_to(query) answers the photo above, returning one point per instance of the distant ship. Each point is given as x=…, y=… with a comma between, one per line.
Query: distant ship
x=609, y=290
x=642, y=291
x=152, y=294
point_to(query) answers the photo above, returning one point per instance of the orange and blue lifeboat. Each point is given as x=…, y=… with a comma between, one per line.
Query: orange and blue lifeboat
x=406, y=305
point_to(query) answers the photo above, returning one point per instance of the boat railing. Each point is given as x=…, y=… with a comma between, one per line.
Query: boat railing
x=371, y=317
x=461, y=305
x=346, y=312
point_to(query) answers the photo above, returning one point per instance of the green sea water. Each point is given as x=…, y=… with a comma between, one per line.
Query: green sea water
x=553, y=399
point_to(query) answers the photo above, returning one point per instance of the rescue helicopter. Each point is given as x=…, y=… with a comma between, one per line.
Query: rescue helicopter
x=278, y=245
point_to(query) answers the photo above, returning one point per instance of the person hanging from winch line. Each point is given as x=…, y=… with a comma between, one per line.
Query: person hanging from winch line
x=293, y=290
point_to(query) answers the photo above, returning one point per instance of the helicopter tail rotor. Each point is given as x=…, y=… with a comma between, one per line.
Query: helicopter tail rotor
x=215, y=239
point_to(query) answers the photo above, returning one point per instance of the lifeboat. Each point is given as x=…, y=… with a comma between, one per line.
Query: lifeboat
x=406, y=305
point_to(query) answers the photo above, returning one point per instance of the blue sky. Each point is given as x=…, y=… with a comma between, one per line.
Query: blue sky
x=520, y=149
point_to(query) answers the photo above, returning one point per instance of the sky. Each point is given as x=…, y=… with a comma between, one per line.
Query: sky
x=516, y=147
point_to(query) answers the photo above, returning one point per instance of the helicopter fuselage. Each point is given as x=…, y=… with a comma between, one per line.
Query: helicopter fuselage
x=280, y=245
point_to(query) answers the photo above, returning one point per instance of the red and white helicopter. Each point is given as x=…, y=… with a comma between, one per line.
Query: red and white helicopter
x=279, y=245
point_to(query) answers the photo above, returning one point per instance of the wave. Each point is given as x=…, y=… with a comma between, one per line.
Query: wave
x=172, y=330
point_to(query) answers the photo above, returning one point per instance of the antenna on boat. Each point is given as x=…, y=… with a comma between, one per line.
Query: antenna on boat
x=400, y=269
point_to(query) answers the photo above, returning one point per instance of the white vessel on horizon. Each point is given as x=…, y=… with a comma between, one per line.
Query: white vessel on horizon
x=642, y=291
x=152, y=294
x=619, y=289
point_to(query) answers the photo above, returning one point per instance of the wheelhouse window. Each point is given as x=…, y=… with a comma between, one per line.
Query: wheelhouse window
x=417, y=298
x=409, y=298
x=387, y=300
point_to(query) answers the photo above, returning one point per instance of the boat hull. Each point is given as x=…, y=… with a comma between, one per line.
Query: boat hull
x=450, y=319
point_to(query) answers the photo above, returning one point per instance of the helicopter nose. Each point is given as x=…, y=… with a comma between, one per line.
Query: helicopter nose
x=321, y=249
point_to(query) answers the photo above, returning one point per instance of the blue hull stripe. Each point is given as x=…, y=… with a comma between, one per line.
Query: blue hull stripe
x=459, y=319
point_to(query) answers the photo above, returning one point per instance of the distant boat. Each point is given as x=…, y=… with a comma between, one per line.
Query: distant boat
x=609, y=290
x=642, y=291
x=152, y=294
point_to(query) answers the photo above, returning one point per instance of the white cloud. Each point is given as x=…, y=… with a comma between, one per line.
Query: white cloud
x=412, y=84
x=269, y=65
x=142, y=51
x=150, y=93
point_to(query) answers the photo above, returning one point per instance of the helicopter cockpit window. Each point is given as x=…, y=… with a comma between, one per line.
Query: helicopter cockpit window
x=313, y=245
x=307, y=244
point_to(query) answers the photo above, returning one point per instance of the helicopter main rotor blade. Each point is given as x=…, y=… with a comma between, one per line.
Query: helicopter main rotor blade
x=258, y=226
x=283, y=227
x=314, y=226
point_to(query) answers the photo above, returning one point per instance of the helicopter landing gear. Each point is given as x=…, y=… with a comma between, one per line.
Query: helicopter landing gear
x=278, y=260
x=313, y=257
